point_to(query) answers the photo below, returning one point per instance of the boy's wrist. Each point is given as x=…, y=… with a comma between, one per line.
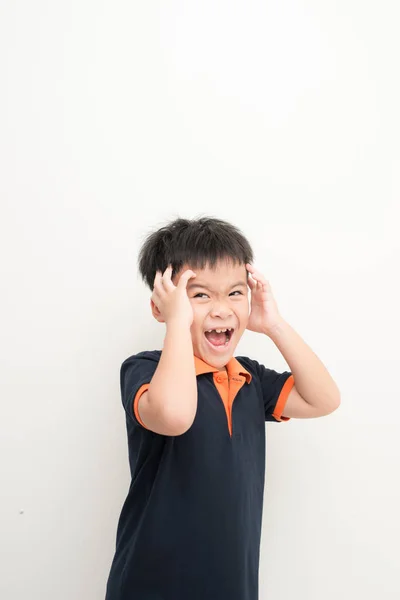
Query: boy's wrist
x=178, y=324
x=277, y=329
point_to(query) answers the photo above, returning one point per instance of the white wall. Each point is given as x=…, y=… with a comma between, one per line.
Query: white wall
x=280, y=116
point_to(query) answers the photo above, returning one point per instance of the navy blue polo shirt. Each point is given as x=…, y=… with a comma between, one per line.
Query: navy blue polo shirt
x=190, y=526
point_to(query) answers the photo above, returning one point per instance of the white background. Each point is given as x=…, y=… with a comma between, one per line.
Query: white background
x=280, y=116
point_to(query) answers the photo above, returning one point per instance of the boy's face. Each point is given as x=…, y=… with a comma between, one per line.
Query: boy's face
x=219, y=298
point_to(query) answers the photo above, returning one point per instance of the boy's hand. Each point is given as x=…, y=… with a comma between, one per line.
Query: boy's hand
x=172, y=301
x=264, y=315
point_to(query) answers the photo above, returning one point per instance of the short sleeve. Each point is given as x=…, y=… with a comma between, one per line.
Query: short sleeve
x=135, y=377
x=275, y=391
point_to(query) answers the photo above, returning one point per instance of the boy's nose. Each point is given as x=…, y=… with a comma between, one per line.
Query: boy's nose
x=219, y=310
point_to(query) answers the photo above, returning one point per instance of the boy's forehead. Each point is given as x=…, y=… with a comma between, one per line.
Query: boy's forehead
x=221, y=270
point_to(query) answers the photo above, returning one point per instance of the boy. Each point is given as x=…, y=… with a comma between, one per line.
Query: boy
x=191, y=523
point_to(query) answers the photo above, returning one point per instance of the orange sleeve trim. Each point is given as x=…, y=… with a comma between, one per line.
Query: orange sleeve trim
x=283, y=396
x=140, y=391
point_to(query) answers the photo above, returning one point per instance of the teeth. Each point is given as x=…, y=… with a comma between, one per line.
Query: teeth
x=220, y=330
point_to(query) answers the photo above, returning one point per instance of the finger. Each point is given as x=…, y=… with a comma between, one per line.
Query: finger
x=250, y=268
x=251, y=283
x=184, y=278
x=253, y=272
x=166, y=278
x=253, y=277
x=259, y=277
x=158, y=286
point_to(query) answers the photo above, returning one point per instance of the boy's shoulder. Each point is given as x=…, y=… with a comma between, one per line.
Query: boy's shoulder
x=149, y=356
x=154, y=356
x=148, y=360
x=145, y=355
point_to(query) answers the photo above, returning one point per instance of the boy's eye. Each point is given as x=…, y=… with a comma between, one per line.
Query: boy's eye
x=203, y=294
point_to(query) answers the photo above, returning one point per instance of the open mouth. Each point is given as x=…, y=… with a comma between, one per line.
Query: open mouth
x=219, y=338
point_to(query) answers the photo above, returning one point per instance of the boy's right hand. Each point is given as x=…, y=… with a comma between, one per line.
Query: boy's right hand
x=172, y=301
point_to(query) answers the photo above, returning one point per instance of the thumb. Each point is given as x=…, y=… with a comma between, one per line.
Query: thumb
x=184, y=278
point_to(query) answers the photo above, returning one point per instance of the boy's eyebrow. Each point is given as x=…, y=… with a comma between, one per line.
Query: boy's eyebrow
x=202, y=285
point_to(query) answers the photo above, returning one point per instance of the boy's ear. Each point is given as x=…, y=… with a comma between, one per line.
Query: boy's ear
x=156, y=312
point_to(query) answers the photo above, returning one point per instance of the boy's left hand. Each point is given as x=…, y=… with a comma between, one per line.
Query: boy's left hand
x=264, y=315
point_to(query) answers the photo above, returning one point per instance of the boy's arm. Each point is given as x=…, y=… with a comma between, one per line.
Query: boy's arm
x=315, y=394
x=169, y=406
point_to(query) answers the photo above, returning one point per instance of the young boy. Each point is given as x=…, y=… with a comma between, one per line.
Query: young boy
x=191, y=523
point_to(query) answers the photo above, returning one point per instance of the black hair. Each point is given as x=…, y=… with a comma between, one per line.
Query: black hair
x=197, y=242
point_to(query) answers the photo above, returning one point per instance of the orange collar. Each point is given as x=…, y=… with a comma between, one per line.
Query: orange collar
x=233, y=367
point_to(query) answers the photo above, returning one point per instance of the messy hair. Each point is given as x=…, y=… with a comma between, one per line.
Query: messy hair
x=197, y=242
